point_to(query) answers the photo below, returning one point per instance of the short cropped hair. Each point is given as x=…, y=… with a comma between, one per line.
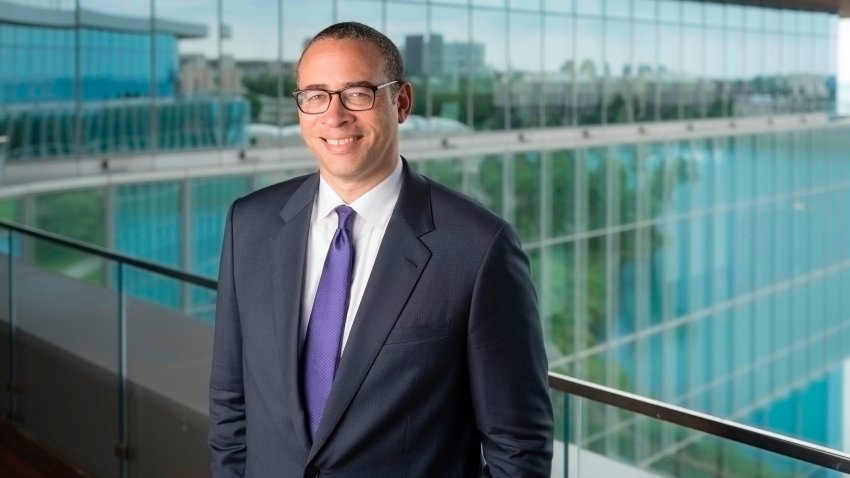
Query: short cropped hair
x=393, y=64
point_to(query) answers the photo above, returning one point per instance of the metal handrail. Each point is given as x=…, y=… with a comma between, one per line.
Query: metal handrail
x=702, y=422
x=111, y=255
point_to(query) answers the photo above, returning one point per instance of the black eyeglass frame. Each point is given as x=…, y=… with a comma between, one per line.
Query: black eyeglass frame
x=374, y=89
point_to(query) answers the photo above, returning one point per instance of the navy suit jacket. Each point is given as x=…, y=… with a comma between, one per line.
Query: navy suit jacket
x=444, y=361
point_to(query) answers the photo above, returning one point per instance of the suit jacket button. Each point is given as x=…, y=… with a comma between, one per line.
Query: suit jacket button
x=312, y=472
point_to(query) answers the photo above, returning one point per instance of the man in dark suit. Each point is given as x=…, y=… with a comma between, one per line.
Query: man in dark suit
x=370, y=322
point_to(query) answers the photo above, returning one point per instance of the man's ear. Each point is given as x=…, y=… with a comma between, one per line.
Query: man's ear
x=405, y=101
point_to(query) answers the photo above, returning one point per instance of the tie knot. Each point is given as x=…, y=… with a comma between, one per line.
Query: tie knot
x=345, y=215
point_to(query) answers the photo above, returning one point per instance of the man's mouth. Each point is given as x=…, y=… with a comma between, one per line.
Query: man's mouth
x=342, y=141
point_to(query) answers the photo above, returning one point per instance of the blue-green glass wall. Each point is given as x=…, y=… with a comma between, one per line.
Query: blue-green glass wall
x=710, y=273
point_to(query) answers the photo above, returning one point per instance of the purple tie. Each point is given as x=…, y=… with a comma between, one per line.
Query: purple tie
x=327, y=320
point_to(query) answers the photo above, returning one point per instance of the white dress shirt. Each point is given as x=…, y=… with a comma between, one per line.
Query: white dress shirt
x=373, y=214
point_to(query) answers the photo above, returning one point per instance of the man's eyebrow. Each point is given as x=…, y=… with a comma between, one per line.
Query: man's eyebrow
x=322, y=86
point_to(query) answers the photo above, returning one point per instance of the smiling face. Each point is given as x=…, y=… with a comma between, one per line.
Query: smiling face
x=355, y=150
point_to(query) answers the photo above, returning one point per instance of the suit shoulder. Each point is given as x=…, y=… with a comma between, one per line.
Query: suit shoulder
x=452, y=207
x=271, y=198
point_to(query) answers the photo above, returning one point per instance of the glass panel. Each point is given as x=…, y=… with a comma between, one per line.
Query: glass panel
x=453, y=65
x=368, y=12
x=562, y=6
x=558, y=300
x=559, y=70
x=209, y=200
x=624, y=163
x=6, y=282
x=619, y=105
x=645, y=9
x=123, y=74
x=715, y=78
x=490, y=3
x=618, y=8
x=714, y=14
x=693, y=95
x=597, y=199
x=693, y=13
x=758, y=101
x=149, y=224
x=646, y=65
x=669, y=11
x=526, y=99
x=449, y=172
x=562, y=191
x=734, y=64
x=86, y=224
x=590, y=70
x=67, y=344
x=527, y=217
x=593, y=440
x=407, y=27
x=487, y=185
x=624, y=285
x=489, y=85
x=169, y=351
x=250, y=80
x=589, y=7
x=670, y=71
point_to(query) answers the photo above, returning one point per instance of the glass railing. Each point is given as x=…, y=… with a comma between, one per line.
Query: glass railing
x=117, y=382
x=602, y=431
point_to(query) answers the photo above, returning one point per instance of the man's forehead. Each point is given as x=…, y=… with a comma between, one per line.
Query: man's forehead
x=327, y=45
x=328, y=56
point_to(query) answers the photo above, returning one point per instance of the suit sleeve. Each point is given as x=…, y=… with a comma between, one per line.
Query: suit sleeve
x=508, y=366
x=227, y=397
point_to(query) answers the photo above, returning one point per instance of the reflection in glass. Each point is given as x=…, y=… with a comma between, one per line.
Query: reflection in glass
x=619, y=72
x=455, y=61
x=527, y=178
x=488, y=29
x=559, y=70
x=408, y=28
x=528, y=87
x=590, y=70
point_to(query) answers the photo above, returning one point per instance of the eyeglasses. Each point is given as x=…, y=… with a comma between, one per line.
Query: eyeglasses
x=355, y=98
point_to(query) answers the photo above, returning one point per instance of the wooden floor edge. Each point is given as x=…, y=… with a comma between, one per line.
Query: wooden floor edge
x=39, y=455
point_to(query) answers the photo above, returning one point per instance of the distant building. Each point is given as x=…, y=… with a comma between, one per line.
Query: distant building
x=435, y=57
x=199, y=75
x=108, y=107
x=252, y=69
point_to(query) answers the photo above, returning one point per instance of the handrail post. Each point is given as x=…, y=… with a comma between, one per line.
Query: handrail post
x=122, y=448
x=567, y=434
x=12, y=385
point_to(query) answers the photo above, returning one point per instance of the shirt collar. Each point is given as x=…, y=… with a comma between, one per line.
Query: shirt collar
x=375, y=206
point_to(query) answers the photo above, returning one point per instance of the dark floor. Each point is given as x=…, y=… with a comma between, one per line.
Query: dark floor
x=22, y=457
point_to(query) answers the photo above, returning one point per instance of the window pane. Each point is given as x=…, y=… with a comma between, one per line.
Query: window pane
x=527, y=82
x=489, y=30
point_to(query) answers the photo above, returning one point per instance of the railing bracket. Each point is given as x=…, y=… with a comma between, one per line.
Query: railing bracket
x=123, y=452
x=14, y=387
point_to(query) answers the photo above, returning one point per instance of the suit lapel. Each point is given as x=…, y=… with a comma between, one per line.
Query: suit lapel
x=288, y=250
x=401, y=259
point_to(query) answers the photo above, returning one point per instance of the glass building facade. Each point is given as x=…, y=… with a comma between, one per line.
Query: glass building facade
x=697, y=256
x=102, y=85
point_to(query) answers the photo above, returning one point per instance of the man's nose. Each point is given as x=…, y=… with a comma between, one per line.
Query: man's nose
x=337, y=114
